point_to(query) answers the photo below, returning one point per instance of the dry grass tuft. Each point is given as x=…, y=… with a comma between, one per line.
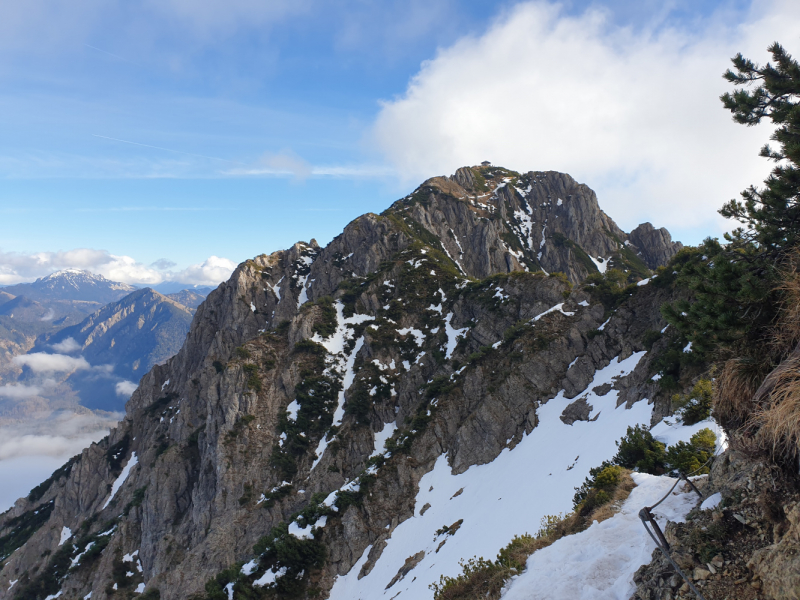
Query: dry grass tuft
x=786, y=333
x=778, y=421
x=733, y=391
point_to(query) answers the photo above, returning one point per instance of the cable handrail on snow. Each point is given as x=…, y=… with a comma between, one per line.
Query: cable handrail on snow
x=658, y=537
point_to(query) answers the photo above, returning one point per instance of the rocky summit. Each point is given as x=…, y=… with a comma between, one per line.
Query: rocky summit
x=352, y=421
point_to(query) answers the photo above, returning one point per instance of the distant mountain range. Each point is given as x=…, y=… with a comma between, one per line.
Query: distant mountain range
x=121, y=331
x=121, y=341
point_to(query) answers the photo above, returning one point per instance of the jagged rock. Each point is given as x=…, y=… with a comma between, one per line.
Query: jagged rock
x=577, y=411
x=411, y=562
x=655, y=246
x=778, y=565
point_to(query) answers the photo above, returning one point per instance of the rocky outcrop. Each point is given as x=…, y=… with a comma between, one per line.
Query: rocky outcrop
x=435, y=322
x=655, y=246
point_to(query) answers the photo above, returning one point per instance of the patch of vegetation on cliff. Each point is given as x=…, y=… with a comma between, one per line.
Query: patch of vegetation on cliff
x=326, y=323
x=116, y=454
x=64, y=470
x=283, y=568
x=370, y=387
x=610, y=288
x=21, y=528
x=562, y=241
x=316, y=397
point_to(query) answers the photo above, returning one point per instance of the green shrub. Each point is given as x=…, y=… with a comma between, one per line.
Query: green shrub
x=650, y=337
x=689, y=458
x=638, y=450
x=279, y=549
x=253, y=380
x=696, y=406
x=327, y=322
x=598, y=488
x=242, y=352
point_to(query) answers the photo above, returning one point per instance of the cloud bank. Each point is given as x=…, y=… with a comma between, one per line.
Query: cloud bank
x=66, y=346
x=19, y=391
x=30, y=451
x=40, y=362
x=634, y=114
x=18, y=267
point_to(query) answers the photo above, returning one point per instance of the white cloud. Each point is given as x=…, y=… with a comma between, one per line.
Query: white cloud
x=66, y=346
x=39, y=362
x=211, y=272
x=18, y=267
x=634, y=114
x=31, y=450
x=125, y=388
x=19, y=391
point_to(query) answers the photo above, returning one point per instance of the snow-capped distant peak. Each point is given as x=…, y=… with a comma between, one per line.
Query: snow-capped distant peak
x=76, y=277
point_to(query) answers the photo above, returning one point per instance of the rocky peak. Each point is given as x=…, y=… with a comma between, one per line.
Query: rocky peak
x=655, y=246
x=72, y=284
x=318, y=386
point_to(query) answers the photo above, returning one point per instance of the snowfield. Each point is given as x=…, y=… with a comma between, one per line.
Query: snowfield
x=510, y=495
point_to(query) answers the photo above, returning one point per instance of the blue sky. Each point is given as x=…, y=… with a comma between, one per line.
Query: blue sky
x=183, y=130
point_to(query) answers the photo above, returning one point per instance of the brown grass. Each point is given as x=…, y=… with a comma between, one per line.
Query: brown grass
x=484, y=580
x=778, y=421
x=786, y=333
x=734, y=389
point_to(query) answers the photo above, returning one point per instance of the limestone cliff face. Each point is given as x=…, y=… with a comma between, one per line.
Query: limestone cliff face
x=436, y=321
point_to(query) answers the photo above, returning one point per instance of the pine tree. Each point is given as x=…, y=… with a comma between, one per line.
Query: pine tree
x=733, y=284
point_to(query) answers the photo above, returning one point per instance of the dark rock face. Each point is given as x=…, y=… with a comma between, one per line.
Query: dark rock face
x=655, y=246
x=455, y=364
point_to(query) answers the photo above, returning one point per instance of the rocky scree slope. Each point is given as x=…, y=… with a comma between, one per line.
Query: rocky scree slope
x=317, y=387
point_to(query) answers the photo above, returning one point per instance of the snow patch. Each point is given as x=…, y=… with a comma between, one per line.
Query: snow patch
x=711, y=502
x=66, y=533
x=292, y=409
x=557, y=307
x=269, y=577
x=453, y=335
x=419, y=337
x=132, y=462
x=600, y=262
x=381, y=437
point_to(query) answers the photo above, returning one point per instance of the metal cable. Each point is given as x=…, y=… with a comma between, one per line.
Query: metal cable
x=672, y=562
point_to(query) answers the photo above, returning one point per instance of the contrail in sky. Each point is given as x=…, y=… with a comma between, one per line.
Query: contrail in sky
x=105, y=137
x=110, y=54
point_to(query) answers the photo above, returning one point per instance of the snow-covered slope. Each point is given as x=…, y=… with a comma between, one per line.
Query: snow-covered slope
x=599, y=563
x=510, y=495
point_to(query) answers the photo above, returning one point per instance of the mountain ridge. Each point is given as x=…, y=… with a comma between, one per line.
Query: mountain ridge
x=452, y=343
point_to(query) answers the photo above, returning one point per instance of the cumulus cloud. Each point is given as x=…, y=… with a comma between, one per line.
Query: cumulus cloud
x=66, y=346
x=210, y=272
x=18, y=267
x=124, y=389
x=19, y=391
x=40, y=362
x=634, y=113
